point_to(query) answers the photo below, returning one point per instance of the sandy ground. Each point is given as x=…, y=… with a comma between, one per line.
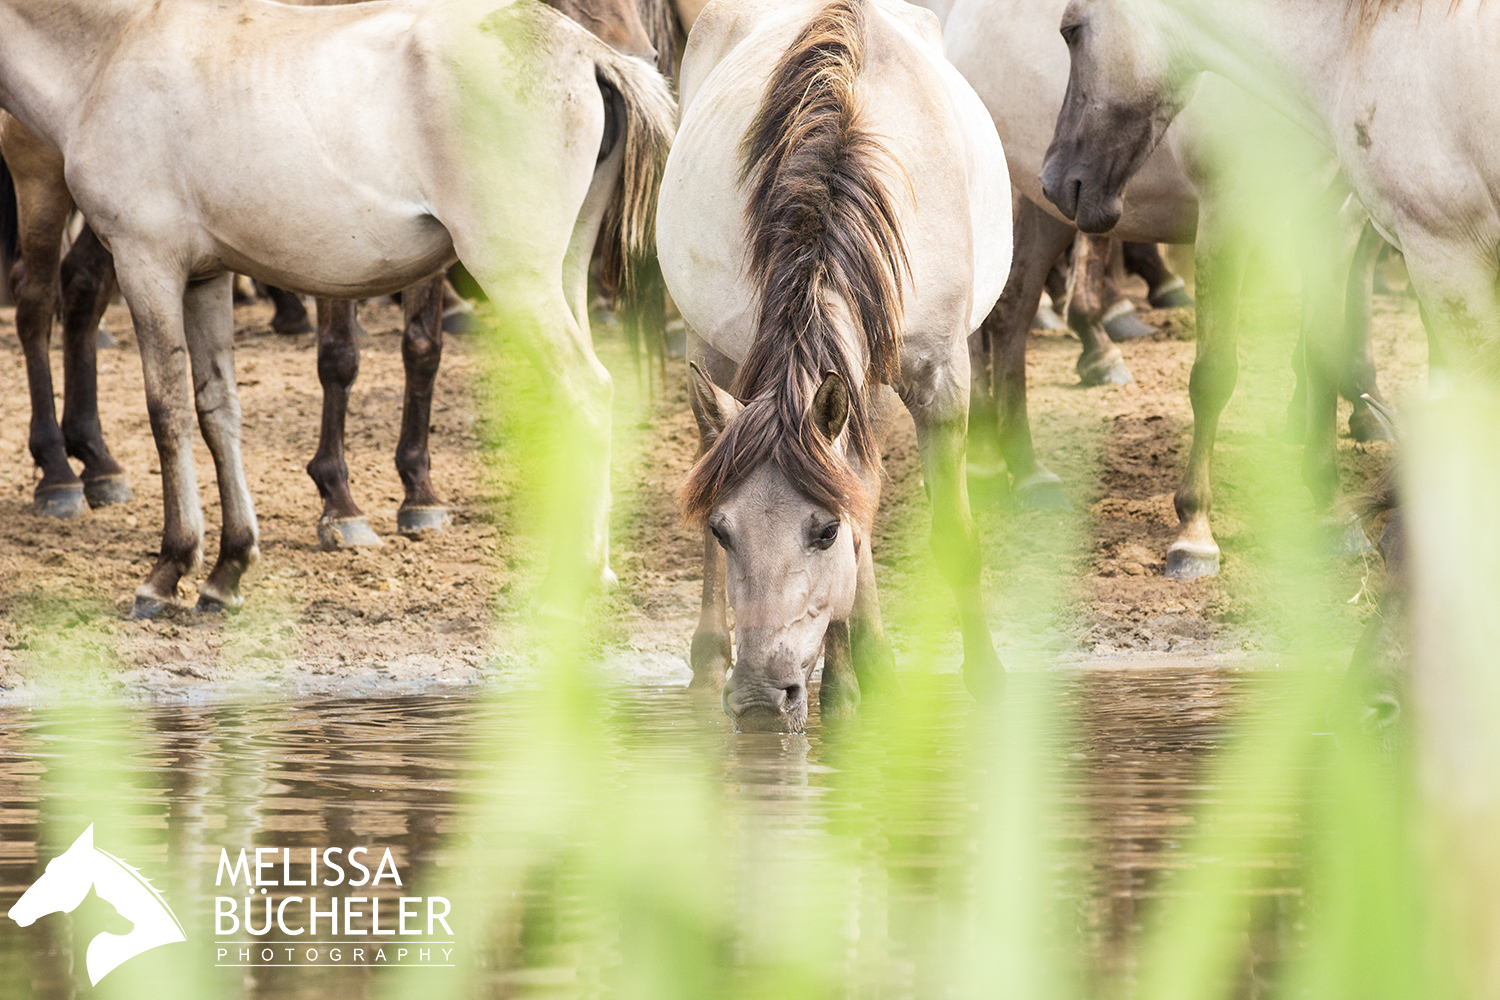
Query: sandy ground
x=1078, y=586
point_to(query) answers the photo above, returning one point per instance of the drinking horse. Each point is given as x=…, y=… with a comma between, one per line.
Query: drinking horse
x=833, y=220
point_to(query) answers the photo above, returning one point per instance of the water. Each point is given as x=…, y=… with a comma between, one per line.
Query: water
x=855, y=852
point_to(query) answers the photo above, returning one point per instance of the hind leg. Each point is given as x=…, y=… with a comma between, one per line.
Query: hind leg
x=291, y=314
x=422, y=510
x=208, y=317
x=342, y=522
x=1101, y=362
x=43, y=205
x=88, y=280
x=1358, y=378
x=1167, y=290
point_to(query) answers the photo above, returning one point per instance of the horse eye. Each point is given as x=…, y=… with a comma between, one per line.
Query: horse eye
x=1070, y=33
x=719, y=535
x=825, y=536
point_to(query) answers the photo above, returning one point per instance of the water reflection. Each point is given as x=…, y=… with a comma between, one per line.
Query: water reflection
x=878, y=835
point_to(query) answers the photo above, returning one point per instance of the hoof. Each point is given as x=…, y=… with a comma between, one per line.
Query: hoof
x=292, y=328
x=1186, y=562
x=1047, y=319
x=1364, y=425
x=1127, y=326
x=1041, y=491
x=345, y=533
x=208, y=604
x=458, y=320
x=1171, y=295
x=1109, y=370
x=65, y=501
x=101, y=491
x=414, y=522
x=149, y=606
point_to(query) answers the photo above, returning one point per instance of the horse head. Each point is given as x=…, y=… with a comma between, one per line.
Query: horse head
x=62, y=886
x=1125, y=86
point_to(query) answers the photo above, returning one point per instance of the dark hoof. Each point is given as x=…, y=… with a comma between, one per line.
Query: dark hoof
x=1364, y=425
x=104, y=340
x=1172, y=295
x=149, y=606
x=345, y=533
x=213, y=606
x=458, y=320
x=985, y=681
x=1047, y=319
x=1041, y=491
x=1108, y=370
x=292, y=327
x=101, y=491
x=414, y=522
x=1185, y=563
x=1127, y=326
x=65, y=501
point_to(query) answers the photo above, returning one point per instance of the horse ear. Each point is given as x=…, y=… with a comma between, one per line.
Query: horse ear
x=712, y=406
x=830, y=407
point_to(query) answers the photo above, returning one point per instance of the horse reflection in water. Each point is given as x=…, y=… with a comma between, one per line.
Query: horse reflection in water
x=66, y=883
x=831, y=223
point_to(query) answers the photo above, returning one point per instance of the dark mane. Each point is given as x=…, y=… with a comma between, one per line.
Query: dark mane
x=825, y=250
x=1367, y=12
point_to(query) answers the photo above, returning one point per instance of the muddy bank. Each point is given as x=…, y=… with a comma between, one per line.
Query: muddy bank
x=451, y=610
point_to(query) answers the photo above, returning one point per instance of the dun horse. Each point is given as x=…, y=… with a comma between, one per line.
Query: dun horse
x=832, y=221
x=88, y=281
x=532, y=129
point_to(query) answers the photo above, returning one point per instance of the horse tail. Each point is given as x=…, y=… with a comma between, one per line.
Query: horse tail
x=824, y=234
x=644, y=101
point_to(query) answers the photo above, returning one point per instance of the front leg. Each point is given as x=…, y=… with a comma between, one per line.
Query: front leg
x=155, y=294
x=712, y=654
x=1220, y=268
x=937, y=399
x=1101, y=362
x=88, y=281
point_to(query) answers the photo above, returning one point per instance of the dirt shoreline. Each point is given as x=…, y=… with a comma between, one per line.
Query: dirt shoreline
x=449, y=612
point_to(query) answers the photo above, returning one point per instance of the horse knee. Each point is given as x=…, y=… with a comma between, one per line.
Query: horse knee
x=338, y=363
x=1213, y=378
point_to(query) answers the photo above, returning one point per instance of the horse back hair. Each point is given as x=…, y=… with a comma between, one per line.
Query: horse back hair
x=825, y=249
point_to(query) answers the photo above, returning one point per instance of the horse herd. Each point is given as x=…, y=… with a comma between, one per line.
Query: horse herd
x=860, y=206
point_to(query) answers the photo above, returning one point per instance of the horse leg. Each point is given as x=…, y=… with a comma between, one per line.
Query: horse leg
x=1220, y=268
x=43, y=205
x=1117, y=312
x=1038, y=241
x=422, y=352
x=291, y=314
x=940, y=409
x=1168, y=291
x=88, y=280
x=711, y=655
x=342, y=524
x=157, y=303
x=1358, y=378
x=1101, y=362
x=208, y=316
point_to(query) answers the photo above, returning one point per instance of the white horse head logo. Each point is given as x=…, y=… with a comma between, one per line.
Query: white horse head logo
x=65, y=884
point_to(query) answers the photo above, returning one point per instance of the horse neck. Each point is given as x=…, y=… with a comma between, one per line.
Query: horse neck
x=1289, y=53
x=48, y=52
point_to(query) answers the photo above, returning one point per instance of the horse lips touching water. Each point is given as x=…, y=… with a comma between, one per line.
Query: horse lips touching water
x=831, y=222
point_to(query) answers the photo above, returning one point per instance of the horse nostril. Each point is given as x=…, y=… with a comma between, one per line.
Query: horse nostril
x=791, y=696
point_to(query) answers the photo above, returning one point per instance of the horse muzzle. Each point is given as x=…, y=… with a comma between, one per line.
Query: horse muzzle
x=765, y=707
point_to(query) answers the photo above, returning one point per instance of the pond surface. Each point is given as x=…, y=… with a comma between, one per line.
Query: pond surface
x=854, y=851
